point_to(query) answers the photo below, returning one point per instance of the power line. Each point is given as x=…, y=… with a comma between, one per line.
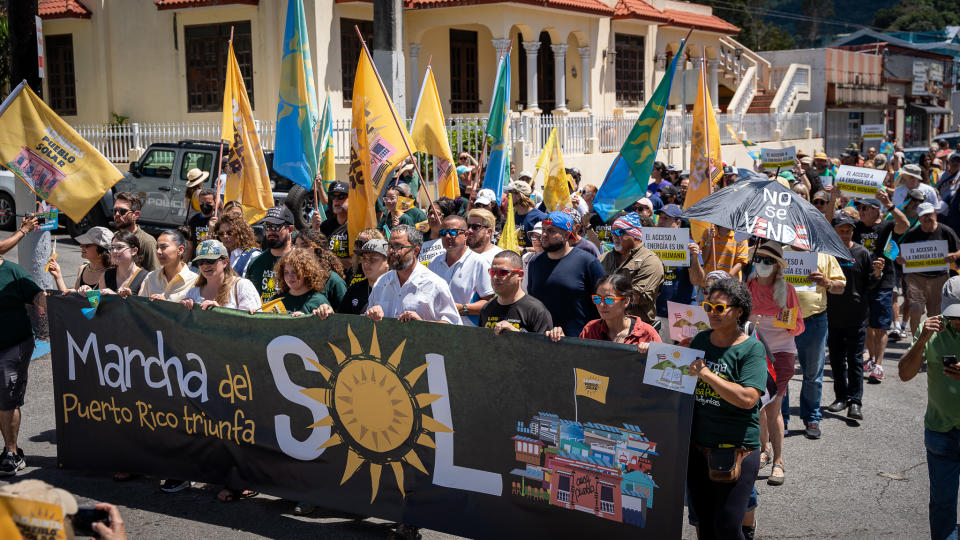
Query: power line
x=727, y=6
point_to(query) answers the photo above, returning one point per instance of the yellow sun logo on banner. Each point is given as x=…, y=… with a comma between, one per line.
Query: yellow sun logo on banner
x=374, y=411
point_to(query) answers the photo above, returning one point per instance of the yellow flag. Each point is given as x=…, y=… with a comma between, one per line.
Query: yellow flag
x=591, y=385
x=50, y=157
x=429, y=134
x=705, y=165
x=25, y=518
x=248, y=179
x=378, y=143
x=274, y=306
x=508, y=237
x=556, y=186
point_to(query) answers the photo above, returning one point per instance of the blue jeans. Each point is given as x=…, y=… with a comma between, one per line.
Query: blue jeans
x=811, y=347
x=943, y=464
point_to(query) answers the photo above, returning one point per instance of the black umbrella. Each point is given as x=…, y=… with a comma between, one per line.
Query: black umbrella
x=766, y=209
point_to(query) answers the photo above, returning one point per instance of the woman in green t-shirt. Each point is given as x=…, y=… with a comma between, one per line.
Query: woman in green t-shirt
x=299, y=282
x=732, y=377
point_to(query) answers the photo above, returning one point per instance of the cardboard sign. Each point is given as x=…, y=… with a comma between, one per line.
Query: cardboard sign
x=799, y=266
x=48, y=221
x=924, y=256
x=787, y=318
x=274, y=306
x=871, y=132
x=669, y=244
x=686, y=320
x=859, y=181
x=667, y=367
x=778, y=158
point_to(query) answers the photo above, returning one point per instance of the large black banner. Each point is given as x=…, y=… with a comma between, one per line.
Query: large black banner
x=444, y=427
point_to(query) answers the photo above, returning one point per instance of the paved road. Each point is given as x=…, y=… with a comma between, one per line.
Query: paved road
x=861, y=480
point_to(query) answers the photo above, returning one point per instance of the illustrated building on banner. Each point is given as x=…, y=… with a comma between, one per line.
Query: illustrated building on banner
x=30, y=165
x=594, y=468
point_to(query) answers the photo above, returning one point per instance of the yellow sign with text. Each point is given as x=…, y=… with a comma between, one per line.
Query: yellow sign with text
x=592, y=385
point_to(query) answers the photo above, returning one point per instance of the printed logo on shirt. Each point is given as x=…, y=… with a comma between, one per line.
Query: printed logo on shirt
x=492, y=321
x=339, y=245
x=705, y=394
x=201, y=233
x=869, y=241
x=669, y=275
x=605, y=233
x=268, y=285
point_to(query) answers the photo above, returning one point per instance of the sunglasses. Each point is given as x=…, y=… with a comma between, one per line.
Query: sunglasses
x=501, y=272
x=620, y=232
x=764, y=260
x=710, y=308
x=608, y=300
x=121, y=211
x=819, y=202
x=452, y=233
x=205, y=262
x=476, y=226
x=338, y=196
x=951, y=319
x=269, y=227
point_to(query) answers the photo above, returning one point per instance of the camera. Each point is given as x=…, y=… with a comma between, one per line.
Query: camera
x=84, y=519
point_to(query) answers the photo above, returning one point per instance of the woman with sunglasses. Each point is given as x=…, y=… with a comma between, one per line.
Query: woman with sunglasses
x=776, y=312
x=126, y=277
x=218, y=285
x=612, y=299
x=95, y=248
x=238, y=237
x=726, y=415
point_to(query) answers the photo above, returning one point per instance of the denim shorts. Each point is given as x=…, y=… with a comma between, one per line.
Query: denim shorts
x=881, y=308
x=14, y=364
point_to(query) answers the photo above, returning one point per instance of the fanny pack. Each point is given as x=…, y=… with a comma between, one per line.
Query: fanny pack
x=723, y=464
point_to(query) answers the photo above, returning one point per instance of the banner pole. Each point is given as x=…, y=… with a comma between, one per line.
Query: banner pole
x=576, y=413
x=217, y=185
x=13, y=95
x=393, y=113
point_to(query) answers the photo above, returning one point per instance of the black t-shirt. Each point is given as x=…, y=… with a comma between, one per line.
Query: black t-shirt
x=339, y=241
x=942, y=232
x=526, y=314
x=565, y=286
x=874, y=238
x=850, y=308
x=527, y=222
x=356, y=300
x=199, y=228
x=329, y=225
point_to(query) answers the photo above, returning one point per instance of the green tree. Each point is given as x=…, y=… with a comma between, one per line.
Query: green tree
x=918, y=16
x=818, y=10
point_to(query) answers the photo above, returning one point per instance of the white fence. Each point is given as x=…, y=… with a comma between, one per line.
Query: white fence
x=575, y=133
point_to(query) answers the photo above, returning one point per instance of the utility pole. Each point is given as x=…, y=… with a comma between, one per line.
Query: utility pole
x=388, y=50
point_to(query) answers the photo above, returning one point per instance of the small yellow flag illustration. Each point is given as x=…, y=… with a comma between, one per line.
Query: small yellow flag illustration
x=274, y=306
x=591, y=385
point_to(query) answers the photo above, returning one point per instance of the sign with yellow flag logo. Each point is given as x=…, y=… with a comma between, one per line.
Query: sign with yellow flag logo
x=50, y=157
x=378, y=143
x=591, y=385
x=705, y=165
x=24, y=518
x=429, y=134
x=248, y=179
x=556, y=187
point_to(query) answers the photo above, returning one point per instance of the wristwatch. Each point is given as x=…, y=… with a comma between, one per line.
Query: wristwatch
x=463, y=309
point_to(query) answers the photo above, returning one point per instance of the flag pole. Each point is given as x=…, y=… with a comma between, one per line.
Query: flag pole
x=216, y=203
x=706, y=143
x=393, y=112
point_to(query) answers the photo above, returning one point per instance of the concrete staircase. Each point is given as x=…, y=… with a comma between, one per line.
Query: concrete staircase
x=761, y=102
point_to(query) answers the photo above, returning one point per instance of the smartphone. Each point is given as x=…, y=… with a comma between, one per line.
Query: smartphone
x=949, y=360
x=84, y=519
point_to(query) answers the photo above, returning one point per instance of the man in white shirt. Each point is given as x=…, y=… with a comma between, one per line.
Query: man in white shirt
x=910, y=176
x=409, y=291
x=480, y=225
x=465, y=271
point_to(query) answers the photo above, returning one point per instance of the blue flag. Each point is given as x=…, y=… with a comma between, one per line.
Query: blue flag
x=628, y=176
x=891, y=250
x=296, y=155
x=498, y=164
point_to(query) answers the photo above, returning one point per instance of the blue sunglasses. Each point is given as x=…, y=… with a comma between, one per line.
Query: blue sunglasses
x=453, y=233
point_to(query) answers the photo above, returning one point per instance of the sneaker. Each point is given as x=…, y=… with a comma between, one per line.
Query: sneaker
x=10, y=463
x=895, y=334
x=876, y=375
x=171, y=485
x=869, y=365
x=812, y=431
x=304, y=509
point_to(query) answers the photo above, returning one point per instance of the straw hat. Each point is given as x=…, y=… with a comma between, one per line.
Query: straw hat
x=195, y=177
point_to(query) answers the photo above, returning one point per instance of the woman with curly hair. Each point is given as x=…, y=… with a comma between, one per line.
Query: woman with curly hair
x=237, y=236
x=332, y=282
x=300, y=280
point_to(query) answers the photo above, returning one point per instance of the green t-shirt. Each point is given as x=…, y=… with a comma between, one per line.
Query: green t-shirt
x=17, y=289
x=305, y=303
x=943, y=393
x=335, y=289
x=405, y=219
x=716, y=421
x=260, y=273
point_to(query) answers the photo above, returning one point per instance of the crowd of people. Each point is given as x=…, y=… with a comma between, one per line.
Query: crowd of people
x=577, y=275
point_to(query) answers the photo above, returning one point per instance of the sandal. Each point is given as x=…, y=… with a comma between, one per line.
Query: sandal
x=765, y=459
x=124, y=476
x=773, y=479
x=229, y=495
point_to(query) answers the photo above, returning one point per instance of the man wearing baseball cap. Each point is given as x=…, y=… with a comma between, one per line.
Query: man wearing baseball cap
x=335, y=226
x=278, y=230
x=924, y=288
x=525, y=210
x=911, y=178
x=564, y=278
x=678, y=281
x=373, y=261
x=630, y=256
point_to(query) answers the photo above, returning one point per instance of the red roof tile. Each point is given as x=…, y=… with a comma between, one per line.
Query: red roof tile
x=60, y=9
x=586, y=6
x=700, y=22
x=638, y=9
x=181, y=4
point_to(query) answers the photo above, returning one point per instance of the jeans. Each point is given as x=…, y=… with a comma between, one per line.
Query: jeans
x=943, y=464
x=846, y=361
x=810, y=354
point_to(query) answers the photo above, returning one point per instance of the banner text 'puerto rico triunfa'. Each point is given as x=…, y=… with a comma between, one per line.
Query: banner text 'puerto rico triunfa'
x=376, y=146
x=705, y=165
x=429, y=134
x=50, y=157
x=248, y=179
x=296, y=153
x=626, y=180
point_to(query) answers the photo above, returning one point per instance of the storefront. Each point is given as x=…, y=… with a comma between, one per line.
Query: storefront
x=922, y=121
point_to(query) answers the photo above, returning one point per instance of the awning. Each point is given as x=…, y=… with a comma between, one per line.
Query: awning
x=929, y=109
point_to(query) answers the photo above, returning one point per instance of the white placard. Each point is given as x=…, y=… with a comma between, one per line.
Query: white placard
x=669, y=244
x=859, y=181
x=799, y=266
x=38, y=22
x=870, y=132
x=778, y=158
x=667, y=367
x=924, y=256
x=826, y=180
x=685, y=320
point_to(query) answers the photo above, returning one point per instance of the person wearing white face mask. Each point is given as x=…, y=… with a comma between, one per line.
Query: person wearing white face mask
x=776, y=311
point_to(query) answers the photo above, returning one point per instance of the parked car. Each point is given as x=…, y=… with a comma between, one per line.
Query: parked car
x=952, y=138
x=8, y=207
x=160, y=178
x=912, y=154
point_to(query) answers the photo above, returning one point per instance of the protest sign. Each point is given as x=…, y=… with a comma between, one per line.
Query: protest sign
x=669, y=244
x=826, y=180
x=28, y=519
x=685, y=320
x=859, y=181
x=871, y=133
x=48, y=221
x=799, y=266
x=778, y=158
x=385, y=419
x=667, y=367
x=924, y=256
